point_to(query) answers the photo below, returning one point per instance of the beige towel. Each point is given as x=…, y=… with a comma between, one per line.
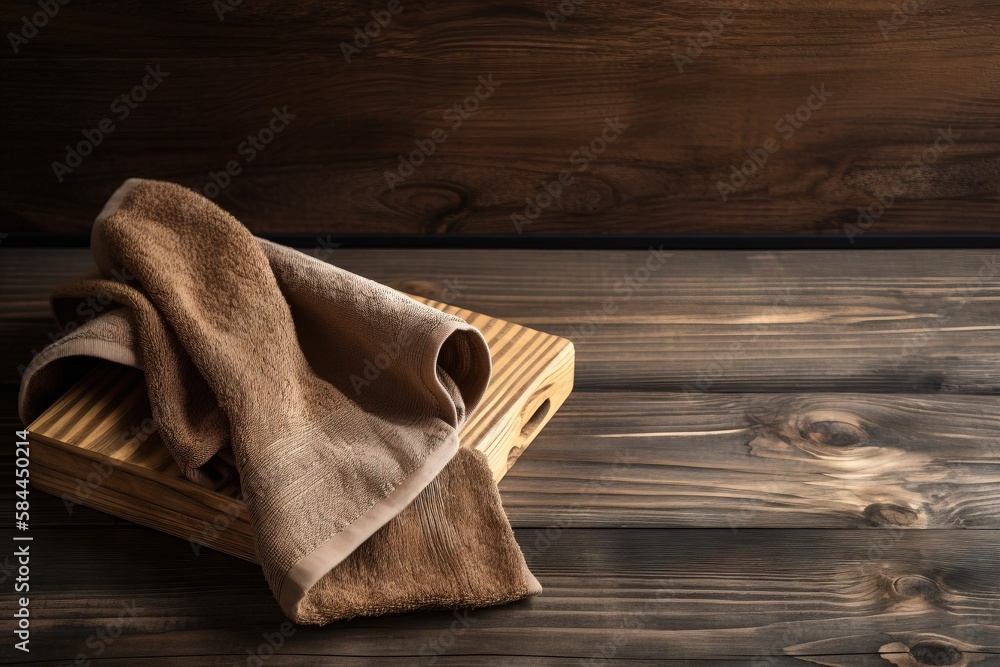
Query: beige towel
x=338, y=400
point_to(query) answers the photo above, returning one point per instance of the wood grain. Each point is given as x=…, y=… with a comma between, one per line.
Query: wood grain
x=611, y=501
x=921, y=321
x=47, y=511
x=892, y=93
x=821, y=597
x=737, y=461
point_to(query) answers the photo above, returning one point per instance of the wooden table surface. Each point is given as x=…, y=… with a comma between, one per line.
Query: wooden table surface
x=770, y=458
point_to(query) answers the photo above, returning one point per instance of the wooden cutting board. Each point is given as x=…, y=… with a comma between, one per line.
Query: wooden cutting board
x=97, y=445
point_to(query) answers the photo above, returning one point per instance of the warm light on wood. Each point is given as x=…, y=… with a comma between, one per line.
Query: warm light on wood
x=97, y=446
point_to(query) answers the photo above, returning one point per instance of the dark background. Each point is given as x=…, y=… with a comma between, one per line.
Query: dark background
x=894, y=85
x=827, y=491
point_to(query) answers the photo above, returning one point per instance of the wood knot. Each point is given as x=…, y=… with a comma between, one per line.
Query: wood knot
x=935, y=653
x=437, y=204
x=915, y=586
x=836, y=441
x=835, y=433
x=890, y=514
x=930, y=650
x=588, y=194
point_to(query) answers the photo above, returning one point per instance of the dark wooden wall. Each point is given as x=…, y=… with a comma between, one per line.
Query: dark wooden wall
x=894, y=86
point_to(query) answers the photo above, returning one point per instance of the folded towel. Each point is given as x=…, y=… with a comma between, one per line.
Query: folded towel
x=335, y=399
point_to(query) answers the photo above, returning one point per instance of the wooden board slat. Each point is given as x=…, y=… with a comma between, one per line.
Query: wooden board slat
x=102, y=429
x=893, y=91
x=921, y=321
x=839, y=598
x=47, y=511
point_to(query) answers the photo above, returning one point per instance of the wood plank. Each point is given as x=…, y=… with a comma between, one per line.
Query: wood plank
x=615, y=459
x=465, y=660
x=737, y=461
x=892, y=92
x=732, y=321
x=827, y=597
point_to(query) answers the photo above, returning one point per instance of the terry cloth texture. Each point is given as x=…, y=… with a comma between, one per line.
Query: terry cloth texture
x=338, y=400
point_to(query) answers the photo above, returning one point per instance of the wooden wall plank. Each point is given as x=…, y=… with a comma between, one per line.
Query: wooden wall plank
x=864, y=321
x=892, y=93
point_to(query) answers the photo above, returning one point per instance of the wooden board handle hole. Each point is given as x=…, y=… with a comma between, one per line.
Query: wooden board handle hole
x=537, y=418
